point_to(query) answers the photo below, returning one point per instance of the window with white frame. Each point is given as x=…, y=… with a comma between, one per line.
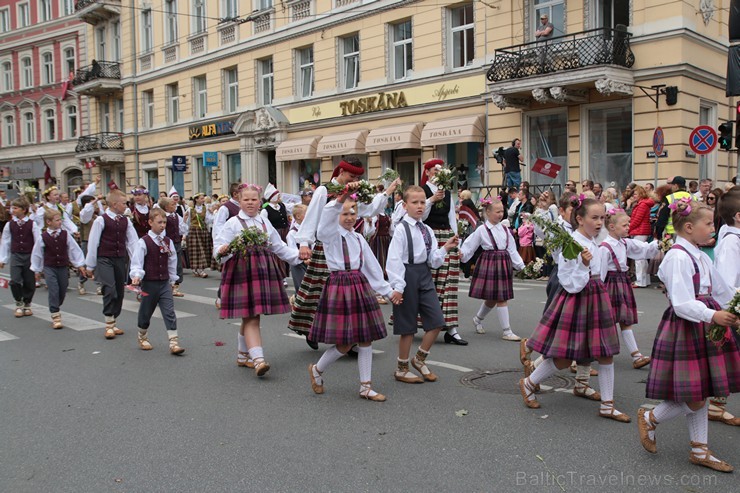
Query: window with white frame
x=462, y=35
x=4, y=20
x=29, y=128
x=147, y=101
x=200, y=96
x=50, y=125
x=173, y=103
x=263, y=4
x=118, y=106
x=305, y=71
x=70, y=61
x=68, y=7
x=264, y=71
x=44, y=10
x=116, y=28
x=350, y=61
x=231, y=89
x=170, y=21
x=71, y=122
x=7, y=76
x=229, y=8
x=100, y=43
x=104, y=114
x=24, y=14
x=26, y=72
x=555, y=12
x=199, y=16
x=47, y=68
x=147, y=42
x=9, y=130
x=402, y=59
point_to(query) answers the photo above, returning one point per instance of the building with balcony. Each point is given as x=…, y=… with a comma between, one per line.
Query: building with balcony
x=41, y=116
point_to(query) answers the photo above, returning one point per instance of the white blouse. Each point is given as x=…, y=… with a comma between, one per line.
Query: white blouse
x=727, y=256
x=233, y=227
x=572, y=274
x=634, y=249
x=480, y=238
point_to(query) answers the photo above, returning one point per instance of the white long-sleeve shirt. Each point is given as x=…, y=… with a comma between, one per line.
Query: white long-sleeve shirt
x=398, y=253
x=727, y=256
x=677, y=271
x=330, y=233
x=86, y=213
x=480, y=238
x=572, y=274
x=93, y=241
x=76, y=257
x=290, y=237
x=90, y=190
x=451, y=216
x=398, y=212
x=66, y=218
x=233, y=228
x=627, y=247
x=140, y=251
x=222, y=215
x=5, y=239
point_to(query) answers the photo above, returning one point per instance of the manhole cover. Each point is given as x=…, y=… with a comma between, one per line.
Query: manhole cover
x=506, y=381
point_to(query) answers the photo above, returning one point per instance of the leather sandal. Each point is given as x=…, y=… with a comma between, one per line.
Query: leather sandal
x=365, y=393
x=242, y=359
x=641, y=361
x=19, y=312
x=526, y=394
x=27, y=312
x=524, y=351
x=403, y=374
x=610, y=413
x=644, y=427
x=315, y=386
x=419, y=364
x=721, y=415
x=581, y=390
x=528, y=370
x=705, y=459
x=117, y=331
x=261, y=366
x=110, y=333
x=143, y=340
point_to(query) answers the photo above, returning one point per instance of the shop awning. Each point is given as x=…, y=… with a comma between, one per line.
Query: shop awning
x=454, y=131
x=344, y=143
x=406, y=136
x=297, y=149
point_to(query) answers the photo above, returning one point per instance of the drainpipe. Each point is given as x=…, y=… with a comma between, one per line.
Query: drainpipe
x=135, y=91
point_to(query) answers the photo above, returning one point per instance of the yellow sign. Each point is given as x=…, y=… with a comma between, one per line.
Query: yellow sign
x=380, y=102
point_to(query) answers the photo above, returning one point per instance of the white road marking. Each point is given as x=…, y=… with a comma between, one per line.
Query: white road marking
x=449, y=366
x=206, y=300
x=211, y=289
x=133, y=306
x=69, y=320
x=6, y=336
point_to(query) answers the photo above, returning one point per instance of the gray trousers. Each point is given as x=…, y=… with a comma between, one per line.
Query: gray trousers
x=22, y=279
x=83, y=246
x=57, y=281
x=180, y=261
x=158, y=293
x=296, y=272
x=111, y=272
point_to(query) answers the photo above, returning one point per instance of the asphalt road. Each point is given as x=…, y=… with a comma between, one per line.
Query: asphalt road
x=79, y=413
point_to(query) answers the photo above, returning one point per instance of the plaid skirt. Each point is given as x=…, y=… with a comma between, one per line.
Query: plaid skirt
x=622, y=296
x=577, y=326
x=446, y=280
x=282, y=265
x=492, y=278
x=379, y=246
x=307, y=298
x=251, y=286
x=686, y=366
x=348, y=311
x=200, y=248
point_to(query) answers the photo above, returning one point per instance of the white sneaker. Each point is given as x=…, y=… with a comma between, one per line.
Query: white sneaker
x=479, y=329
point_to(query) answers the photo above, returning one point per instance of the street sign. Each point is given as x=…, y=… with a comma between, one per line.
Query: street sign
x=651, y=154
x=210, y=159
x=179, y=163
x=658, y=141
x=703, y=139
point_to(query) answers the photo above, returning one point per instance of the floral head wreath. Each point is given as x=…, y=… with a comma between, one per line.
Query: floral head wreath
x=686, y=211
x=139, y=191
x=50, y=189
x=250, y=185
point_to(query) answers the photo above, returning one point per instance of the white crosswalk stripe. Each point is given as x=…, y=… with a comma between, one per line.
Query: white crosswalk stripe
x=133, y=306
x=70, y=320
x=6, y=336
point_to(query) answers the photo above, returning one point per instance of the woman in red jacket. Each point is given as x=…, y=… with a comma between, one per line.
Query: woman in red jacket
x=640, y=229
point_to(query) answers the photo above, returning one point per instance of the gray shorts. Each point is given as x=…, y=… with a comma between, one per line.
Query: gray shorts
x=419, y=299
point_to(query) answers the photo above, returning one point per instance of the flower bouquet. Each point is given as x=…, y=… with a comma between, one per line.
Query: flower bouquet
x=557, y=238
x=718, y=334
x=388, y=177
x=532, y=270
x=666, y=243
x=249, y=239
x=444, y=179
x=365, y=193
x=463, y=228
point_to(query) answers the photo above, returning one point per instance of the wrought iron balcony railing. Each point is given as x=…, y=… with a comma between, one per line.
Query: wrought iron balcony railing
x=81, y=4
x=603, y=46
x=102, y=141
x=97, y=70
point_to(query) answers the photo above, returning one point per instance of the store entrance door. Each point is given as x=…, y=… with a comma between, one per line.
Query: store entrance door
x=408, y=169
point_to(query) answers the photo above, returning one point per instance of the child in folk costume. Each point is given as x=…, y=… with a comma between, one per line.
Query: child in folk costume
x=52, y=256
x=492, y=279
x=140, y=211
x=686, y=367
x=348, y=312
x=579, y=325
x=228, y=209
x=111, y=242
x=277, y=213
x=200, y=244
x=307, y=298
x=411, y=256
x=443, y=221
x=52, y=201
x=91, y=209
x=19, y=236
x=621, y=294
x=177, y=227
x=252, y=285
x=726, y=256
x=526, y=239
x=296, y=271
x=154, y=268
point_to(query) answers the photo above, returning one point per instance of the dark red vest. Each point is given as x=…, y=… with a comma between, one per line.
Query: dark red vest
x=140, y=221
x=113, y=237
x=173, y=228
x=21, y=237
x=233, y=209
x=155, y=262
x=55, y=249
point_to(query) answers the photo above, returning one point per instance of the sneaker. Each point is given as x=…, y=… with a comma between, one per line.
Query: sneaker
x=479, y=329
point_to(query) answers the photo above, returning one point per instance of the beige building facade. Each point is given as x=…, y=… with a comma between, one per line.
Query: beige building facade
x=281, y=94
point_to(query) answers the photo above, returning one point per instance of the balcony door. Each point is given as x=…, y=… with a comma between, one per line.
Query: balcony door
x=547, y=138
x=610, y=13
x=554, y=10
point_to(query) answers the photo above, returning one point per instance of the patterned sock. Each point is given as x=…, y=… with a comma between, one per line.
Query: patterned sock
x=242, y=344
x=503, y=317
x=629, y=340
x=365, y=364
x=606, y=386
x=330, y=356
x=544, y=371
x=698, y=422
x=483, y=311
x=256, y=353
x=666, y=411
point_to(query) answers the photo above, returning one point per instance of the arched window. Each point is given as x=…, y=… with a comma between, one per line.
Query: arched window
x=73, y=178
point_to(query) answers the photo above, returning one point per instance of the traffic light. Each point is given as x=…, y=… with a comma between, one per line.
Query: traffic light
x=725, y=136
x=737, y=124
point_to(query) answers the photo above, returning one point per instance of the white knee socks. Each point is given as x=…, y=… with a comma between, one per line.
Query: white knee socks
x=503, y=317
x=629, y=340
x=665, y=411
x=483, y=311
x=330, y=356
x=698, y=422
x=256, y=353
x=583, y=375
x=606, y=386
x=544, y=371
x=242, y=344
x=538, y=361
x=365, y=363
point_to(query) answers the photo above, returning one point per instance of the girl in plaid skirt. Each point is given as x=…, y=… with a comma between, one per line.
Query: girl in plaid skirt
x=579, y=325
x=492, y=279
x=618, y=248
x=348, y=310
x=200, y=243
x=686, y=367
x=252, y=285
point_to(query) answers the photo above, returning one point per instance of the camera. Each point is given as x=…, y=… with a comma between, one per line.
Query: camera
x=498, y=155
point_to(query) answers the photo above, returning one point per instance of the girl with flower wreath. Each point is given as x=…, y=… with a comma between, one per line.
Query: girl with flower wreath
x=200, y=243
x=251, y=284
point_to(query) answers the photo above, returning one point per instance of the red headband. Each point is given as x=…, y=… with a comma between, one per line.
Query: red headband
x=429, y=165
x=349, y=168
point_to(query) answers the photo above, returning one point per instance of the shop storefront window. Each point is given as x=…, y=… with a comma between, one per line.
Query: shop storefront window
x=547, y=138
x=309, y=170
x=468, y=159
x=610, y=146
x=234, y=168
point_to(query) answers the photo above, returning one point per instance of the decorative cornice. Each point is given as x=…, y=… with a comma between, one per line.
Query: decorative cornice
x=565, y=95
x=503, y=102
x=541, y=95
x=607, y=87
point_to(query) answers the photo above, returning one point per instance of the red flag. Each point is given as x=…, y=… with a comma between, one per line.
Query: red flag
x=4, y=283
x=546, y=168
x=112, y=185
x=47, y=172
x=90, y=163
